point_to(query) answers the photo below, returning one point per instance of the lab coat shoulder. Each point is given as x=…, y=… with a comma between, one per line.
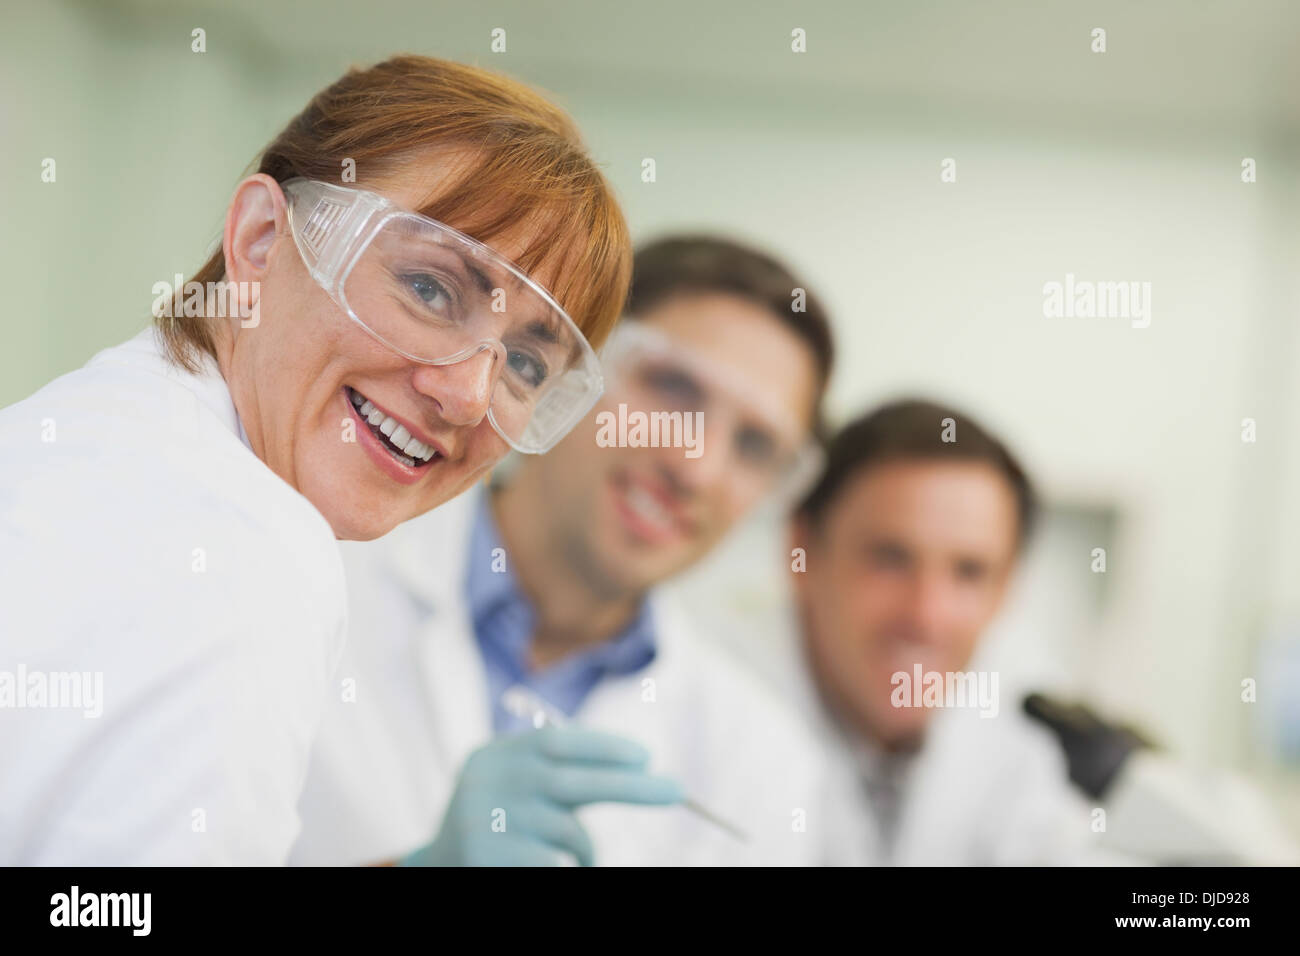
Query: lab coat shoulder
x=149, y=546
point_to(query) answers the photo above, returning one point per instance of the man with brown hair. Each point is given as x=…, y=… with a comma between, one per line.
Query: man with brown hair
x=911, y=537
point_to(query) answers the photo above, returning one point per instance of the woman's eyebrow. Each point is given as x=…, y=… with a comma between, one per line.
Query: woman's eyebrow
x=543, y=330
x=484, y=283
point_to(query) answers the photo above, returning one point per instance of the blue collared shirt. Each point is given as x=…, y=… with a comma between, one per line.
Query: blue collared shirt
x=503, y=621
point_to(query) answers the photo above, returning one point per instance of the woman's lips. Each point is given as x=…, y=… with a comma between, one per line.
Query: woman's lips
x=403, y=436
x=380, y=451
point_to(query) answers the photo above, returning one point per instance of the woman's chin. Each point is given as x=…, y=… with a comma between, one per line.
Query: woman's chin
x=361, y=520
x=359, y=527
x=364, y=505
x=356, y=515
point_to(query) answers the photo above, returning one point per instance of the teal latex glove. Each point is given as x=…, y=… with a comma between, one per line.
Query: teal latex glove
x=515, y=798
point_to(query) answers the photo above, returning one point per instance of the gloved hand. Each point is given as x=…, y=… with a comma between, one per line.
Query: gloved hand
x=514, y=799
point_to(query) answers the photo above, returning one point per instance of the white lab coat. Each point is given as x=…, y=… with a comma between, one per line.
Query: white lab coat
x=996, y=792
x=412, y=704
x=141, y=540
x=981, y=791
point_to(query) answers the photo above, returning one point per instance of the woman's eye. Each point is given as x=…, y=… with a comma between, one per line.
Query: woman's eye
x=528, y=368
x=431, y=292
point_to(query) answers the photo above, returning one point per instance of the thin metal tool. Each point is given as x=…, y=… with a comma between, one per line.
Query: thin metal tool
x=706, y=814
x=524, y=703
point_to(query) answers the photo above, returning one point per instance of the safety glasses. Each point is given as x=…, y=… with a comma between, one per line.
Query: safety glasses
x=435, y=296
x=769, y=451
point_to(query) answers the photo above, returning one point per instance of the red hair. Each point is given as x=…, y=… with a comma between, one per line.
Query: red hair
x=521, y=168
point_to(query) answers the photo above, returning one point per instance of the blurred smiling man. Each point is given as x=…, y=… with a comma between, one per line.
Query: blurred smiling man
x=550, y=619
x=912, y=535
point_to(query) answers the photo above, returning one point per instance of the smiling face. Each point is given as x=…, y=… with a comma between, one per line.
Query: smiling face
x=908, y=565
x=626, y=518
x=321, y=400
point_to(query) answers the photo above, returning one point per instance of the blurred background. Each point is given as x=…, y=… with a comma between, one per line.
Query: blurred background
x=1119, y=166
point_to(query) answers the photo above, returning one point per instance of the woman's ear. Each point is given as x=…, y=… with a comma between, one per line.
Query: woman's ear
x=257, y=214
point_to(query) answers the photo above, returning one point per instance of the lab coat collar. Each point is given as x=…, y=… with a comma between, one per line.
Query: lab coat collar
x=145, y=350
x=425, y=559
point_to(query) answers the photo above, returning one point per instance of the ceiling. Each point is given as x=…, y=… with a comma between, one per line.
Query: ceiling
x=1187, y=65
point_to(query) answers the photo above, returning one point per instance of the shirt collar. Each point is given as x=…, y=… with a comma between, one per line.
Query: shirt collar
x=492, y=589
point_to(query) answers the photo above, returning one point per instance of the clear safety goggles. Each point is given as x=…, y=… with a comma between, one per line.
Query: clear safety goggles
x=438, y=297
x=768, y=450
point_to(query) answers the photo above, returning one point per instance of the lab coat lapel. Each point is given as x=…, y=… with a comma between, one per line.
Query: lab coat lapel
x=631, y=704
x=934, y=825
x=618, y=705
x=643, y=707
x=429, y=558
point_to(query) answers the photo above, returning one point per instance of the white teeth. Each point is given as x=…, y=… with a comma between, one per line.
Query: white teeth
x=390, y=427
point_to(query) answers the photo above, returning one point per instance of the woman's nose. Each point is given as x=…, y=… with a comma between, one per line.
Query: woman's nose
x=462, y=390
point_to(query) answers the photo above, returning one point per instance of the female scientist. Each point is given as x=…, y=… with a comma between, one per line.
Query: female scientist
x=375, y=332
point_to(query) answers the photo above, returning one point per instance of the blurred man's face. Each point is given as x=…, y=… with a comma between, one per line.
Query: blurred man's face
x=909, y=565
x=629, y=517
